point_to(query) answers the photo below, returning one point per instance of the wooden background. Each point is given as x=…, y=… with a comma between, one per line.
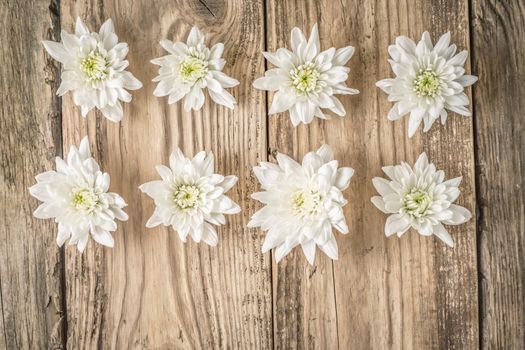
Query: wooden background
x=153, y=292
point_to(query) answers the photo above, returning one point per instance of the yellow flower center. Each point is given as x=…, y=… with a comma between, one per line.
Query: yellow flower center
x=306, y=203
x=187, y=196
x=95, y=67
x=305, y=79
x=427, y=83
x=85, y=199
x=193, y=69
x=416, y=202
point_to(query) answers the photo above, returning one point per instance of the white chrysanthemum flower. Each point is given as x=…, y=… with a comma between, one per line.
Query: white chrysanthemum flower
x=76, y=196
x=429, y=80
x=306, y=79
x=419, y=198
x=190, y=197
x=302, y=203
x=189, y=68
x=94, y=69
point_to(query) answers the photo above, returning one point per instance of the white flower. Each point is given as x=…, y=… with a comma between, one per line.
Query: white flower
x=307, y=79
x=303, y=202
x=76, y=196
x=189, y=68
x=429, y=80
x=190, y=197
x=94, y=69
x=419, y=198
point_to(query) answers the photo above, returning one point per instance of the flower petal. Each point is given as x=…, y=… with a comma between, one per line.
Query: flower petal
x=441, y=232
x=309, y=251
x=281, y=102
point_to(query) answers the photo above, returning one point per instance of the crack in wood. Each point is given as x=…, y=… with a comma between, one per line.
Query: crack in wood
x=206, y=6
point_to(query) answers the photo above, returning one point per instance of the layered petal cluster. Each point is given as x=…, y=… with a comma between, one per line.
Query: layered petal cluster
x=429, y=81
x=305, y=79
x=76, y=196
x=190, y=197
x=191, y=67
x=419, y=198
x=302, y=203
x=94, y=69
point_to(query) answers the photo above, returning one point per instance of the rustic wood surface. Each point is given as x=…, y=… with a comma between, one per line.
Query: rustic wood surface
x=499, y=101
x=154, y=292
x=31, y=298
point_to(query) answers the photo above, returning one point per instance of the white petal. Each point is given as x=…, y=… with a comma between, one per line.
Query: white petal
x=379, y=203
x=164, y=172
x=130, y=82
x=287, y=164
x=113, y=113
x=281, y=102
x=441, y=232
x=460, y=215
x=106, y=28
x=57, y=51
x=421, y=163
x=267, y=83
x=225, y=80
x=343, y=176
x=338, y=107
x=382, y=186
x=154, y=220
x=414, y=121
x=62, y=236
x=84, y=150
x=228, y=182
x=209, y=235
x=223, y=98
x=216, y=51
x=195, y=37
x=343, y=55
x=177, y=94
x=194, y=100
x=459, y=59
x=396, y=224
x=82, y=243
x=80, y=28
x=442, y=44
x=309, y=251
x=326, y=153
x=330, y=248
x=104, y=238
x=296, y=38
x=467, y=80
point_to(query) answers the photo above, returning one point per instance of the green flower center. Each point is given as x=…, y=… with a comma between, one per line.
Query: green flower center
x=85, y=199
x=306, y=203
x=193, y=69
x=187, y=196
x=305, y=79
x=416, y=202
x=95, y=67
x=427, y=83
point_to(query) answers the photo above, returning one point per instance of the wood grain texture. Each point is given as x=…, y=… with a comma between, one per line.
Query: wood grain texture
x=408, y=293
x=152, y=291
x=305, y=314
x=498, y=37
x=30, y=270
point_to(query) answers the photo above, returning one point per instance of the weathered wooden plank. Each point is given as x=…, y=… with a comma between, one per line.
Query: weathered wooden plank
x=304, y=306
x=151, y=290
x=30, y=261
x=388, y=293
x=451, y=147
x=499, y=57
